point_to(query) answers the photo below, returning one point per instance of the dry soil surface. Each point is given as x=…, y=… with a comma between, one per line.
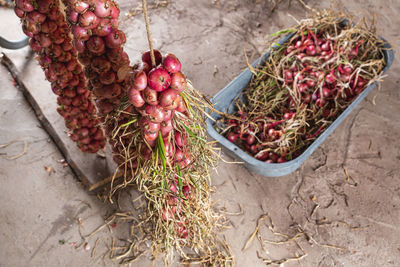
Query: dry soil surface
x=335, y=221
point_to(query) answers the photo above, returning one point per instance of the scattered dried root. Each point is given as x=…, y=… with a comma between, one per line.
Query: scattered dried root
x=300, y=235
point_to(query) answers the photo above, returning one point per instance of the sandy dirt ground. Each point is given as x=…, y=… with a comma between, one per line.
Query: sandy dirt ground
x=328, y=218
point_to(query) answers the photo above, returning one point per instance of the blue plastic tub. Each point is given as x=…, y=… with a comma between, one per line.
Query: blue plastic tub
x=223, y=99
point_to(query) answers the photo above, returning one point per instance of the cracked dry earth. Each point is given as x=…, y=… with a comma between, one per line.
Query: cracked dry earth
x=341, y=208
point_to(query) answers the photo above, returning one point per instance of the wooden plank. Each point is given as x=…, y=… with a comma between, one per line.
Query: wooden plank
x=89, y=168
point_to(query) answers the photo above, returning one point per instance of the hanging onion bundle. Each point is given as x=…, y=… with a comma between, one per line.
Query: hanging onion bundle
x=49, y=36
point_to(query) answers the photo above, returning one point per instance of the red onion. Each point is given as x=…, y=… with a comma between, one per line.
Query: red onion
x=48, y=26
x=28, y=33
x=288, y=115
x=168, y=114
x=181, y=106
x=147, y=59
x=114, y=12
x=326, y=92
x=149, y=126
x=25, y=5
x=299, y=44
x=180, y=139
x=80, y=33
x=262, y=155
x=140, y=81
x=159, y=79
x=72, y=16
x=308, y=42
x=310, y=83
x=150, y=96
x=81, y=7
x=34, y=28
x=88, y=20
x=115, y=39
x=102, y=8
x=135, y=97
x=53, y=14
x=79, y=45
x=150, y=137
x=325, y=46
x=169, y=148
x=19, y=12
x=320, y=102
x=96, y=45
x=250, y=139
x=44, y=6
x=303, y=87
x=67, y=46
x=166, y=127
x=171, y=63
x=301, y=56
x=178, y=81
x=179, y=155
x=100, y=64
x=55, y=51
x=288, y=76
x=311, y=50
x=154, y=113
x=107, y=77
x=74, y=81
x=103, y=29
x=36, y=17
x=330, y=78
x=144, y=67
x=169, y=99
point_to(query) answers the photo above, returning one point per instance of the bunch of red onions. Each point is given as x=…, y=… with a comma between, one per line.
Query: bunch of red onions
x=302, y=88
x=99, y=43
x=155, y=93
x=94, y=26
x=49, y=36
